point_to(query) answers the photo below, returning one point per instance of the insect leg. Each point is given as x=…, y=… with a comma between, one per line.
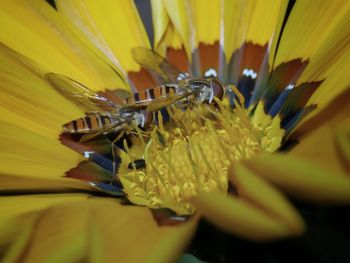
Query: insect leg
x=114, y=153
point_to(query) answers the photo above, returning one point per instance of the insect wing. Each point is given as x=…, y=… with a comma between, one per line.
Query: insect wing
x=152, y=105
x=92, y=135
x=80, y=95
x=150, y=60
x=116, y=96
x=157, y=104
x=122, y=94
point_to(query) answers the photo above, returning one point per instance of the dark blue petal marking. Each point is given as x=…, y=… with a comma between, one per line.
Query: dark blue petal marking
x=279, y=102
x=108, y=188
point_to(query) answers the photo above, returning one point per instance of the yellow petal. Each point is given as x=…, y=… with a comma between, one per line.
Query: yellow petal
x=250, y=21
x=239, y=217
x=160, y=20
x=21, y=79
x=173, y=243
x=209, y=26
x=335, y=45
x=343, y=144
x=309, y=24
x=171, y=39
x=43, y=43
x=181, y=15
x=110, y=27
x=108, y=74
x=99, y=230
x=20, y=220
x=330, y=62
x=15, y=206
x=322, y=144
x=303, y=179
x=55, y=232
x=165, y=34
x=336, y=111
x=256, y=191
x=336, y=82
x=190, y=18
x=30, y=125
x=207, y=18
x=30, y=154
x=18, y=184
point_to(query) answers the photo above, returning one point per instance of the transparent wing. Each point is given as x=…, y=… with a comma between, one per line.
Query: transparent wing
x=161, y=103
x=122, y=95
x=117, y=96
x=80, y=95
x=91, y=135
x=152, y=105
x=150, y=60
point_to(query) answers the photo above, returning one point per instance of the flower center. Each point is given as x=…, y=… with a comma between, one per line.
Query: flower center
x=190, y=153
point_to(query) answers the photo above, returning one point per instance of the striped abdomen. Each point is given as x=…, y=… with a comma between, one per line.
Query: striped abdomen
x=92, y=122
x=154, y=93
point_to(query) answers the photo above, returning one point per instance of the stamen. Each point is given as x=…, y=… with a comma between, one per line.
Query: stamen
x=139, y=133
x=191, y=153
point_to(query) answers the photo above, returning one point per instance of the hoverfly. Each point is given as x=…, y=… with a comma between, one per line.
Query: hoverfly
x=181, y=85
x=102, y=115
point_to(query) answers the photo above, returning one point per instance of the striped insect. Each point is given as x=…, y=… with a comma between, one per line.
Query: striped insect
x=177, y=85
x=101, y=114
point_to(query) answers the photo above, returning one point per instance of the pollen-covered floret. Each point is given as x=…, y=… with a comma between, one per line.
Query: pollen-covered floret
x=191, y=153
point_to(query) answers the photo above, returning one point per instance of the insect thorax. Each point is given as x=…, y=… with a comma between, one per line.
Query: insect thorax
x=202, y=89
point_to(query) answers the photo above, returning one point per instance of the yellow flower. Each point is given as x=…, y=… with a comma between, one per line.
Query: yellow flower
x=281, y=66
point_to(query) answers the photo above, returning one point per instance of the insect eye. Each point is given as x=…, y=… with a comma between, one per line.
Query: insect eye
x=217, y=88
